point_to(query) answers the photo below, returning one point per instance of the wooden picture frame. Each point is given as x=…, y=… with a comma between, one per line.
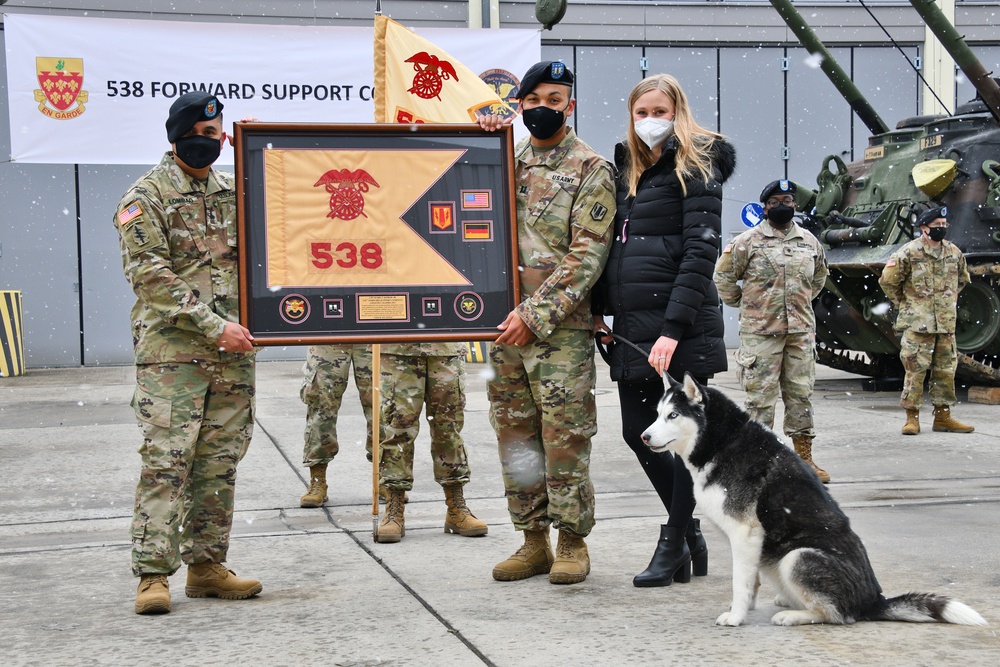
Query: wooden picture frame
x=375, y=233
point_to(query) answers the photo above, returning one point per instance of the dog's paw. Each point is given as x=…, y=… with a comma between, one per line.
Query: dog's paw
x=782, y=601
x=730, y=619
x=796, y=617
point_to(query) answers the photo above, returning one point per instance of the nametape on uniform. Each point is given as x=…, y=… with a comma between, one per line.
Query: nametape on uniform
x=891, y=262
x=598, y=212
x=131, y=212
x=560, y=178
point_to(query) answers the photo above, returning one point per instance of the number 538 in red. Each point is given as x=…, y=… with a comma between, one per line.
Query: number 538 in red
x=346, y=255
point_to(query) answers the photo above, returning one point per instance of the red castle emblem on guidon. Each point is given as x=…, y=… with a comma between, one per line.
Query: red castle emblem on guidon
x=431, y=71
x=345, y=188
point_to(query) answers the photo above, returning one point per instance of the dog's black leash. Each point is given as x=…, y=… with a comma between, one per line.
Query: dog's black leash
x=605, y=350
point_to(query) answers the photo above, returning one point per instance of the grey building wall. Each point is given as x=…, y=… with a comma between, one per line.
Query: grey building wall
x=741, y=67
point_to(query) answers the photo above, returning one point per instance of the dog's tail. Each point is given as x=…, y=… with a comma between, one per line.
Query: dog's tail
x=926, y=608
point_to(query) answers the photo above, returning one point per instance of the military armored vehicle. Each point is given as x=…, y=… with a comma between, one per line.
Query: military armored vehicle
x=865, y=210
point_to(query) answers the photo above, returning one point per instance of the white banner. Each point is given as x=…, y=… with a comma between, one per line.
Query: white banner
x=97, y=91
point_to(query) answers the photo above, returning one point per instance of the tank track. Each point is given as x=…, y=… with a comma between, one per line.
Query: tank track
x=974, y=372
x=970, y=371
x=856, y=362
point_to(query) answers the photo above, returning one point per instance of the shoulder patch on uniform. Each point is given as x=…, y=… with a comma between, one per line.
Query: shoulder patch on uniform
x=129, y=213
x=728, y=248
x=598, y=212
x=891, y=262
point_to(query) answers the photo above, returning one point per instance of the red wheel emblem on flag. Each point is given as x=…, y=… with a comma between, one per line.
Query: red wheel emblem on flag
x=345, y=188
x=431, y=71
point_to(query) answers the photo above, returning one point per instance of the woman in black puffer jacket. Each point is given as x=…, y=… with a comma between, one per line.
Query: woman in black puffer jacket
x=658, y=287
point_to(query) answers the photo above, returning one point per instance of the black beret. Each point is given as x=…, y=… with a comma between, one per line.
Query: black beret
x=188, y=109
x=932, y=214
x=547, y=71
x=787, y=187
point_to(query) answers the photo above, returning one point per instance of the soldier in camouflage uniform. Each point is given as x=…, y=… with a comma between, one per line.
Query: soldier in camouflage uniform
x=923, y=280
x=325, y=379
x=542, y=396
x=194, y=392
x=783, y=268
x=414, y=374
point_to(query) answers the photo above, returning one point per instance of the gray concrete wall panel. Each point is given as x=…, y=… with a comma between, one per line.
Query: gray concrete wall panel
x=607, y=76
x=107, y=296
x=819, y=120
x=696, y=68
x=889, y=84
x=38, y=250
x=756, y=130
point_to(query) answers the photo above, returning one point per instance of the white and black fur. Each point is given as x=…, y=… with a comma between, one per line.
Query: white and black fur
x=782, y=524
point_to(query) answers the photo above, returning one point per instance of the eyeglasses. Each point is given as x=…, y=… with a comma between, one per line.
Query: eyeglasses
x=776, y=201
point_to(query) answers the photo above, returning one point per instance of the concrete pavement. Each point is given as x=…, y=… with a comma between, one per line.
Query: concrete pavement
x=927, y=508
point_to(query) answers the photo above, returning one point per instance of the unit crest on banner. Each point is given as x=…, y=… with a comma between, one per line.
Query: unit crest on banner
x=418, y=82
x=346, y=188
x=61, y=94
x=505, y=84
x=431, y=73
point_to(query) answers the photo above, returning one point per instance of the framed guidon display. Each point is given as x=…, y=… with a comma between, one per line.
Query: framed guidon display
x=375, y=233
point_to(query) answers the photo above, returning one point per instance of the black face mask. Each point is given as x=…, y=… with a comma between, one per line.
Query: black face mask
x=937, y=234
x=198, y=151
x=780, y=215
x=542, y=121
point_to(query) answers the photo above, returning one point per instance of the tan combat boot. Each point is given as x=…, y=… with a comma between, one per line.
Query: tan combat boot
x=533, y=557
x=460, y=518
x=803, y=447
x=572, y=563
x=393, y=526
x=316, y=495
x=945, y=423
x=153, y=595
x=214, y=580
x=912, y=425
x=383, y=494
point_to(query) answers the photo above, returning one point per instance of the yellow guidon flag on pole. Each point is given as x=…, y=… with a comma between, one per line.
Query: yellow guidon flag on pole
x=417, y=82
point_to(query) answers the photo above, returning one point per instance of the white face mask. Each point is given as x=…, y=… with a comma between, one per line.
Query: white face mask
x=654, y=131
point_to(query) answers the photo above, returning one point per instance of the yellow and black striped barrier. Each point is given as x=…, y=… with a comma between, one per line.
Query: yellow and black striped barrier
x=11, y=343
x=477, y=352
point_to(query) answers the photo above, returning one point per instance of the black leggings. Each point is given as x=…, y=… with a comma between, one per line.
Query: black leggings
x=667, y=473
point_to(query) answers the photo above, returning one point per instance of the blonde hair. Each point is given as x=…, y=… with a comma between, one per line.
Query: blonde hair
x=694, y=141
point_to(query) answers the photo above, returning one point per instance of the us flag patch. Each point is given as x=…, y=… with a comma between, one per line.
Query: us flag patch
x=891, y=262
x=133, y=211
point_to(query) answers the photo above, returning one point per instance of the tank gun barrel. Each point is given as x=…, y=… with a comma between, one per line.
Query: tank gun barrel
x=833, y=71
x=955, y=44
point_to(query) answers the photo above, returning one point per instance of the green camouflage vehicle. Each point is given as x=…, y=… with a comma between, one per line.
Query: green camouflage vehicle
x=865, y=210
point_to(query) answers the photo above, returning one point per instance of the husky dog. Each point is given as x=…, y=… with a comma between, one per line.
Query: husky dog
x=782, y=523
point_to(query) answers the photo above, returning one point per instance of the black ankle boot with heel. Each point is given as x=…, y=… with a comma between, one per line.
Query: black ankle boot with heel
x=671, y=561
x=698, y=548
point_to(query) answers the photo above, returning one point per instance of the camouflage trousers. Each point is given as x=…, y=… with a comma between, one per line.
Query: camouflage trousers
x=409, y=383
x=779, y=364
x=921, y=352
x=196, y=421
x=324, y=381
x=543, y=410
